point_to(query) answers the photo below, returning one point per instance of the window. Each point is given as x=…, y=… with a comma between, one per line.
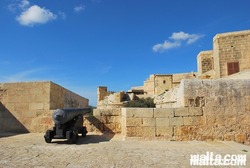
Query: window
x=164, y=82
x=232, y=67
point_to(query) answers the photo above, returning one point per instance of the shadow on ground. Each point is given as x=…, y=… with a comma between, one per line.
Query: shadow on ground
x=89, y=139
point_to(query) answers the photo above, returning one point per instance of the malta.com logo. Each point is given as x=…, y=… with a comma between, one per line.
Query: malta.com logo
x=211, y=159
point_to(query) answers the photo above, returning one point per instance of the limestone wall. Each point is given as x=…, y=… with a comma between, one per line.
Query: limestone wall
x=201, y=93
x=63, y=98
x=187, y=123
x=28, y=106
x=221, y=92
x=205, y=62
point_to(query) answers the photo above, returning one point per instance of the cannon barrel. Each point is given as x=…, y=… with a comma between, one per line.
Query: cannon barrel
x=62, y=116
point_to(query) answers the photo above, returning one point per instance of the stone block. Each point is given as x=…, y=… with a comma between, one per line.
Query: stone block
x=148, y=122
x=212, y=110
x=231, y=120
x=229, y=110
x=195, y=111
x=113, y=119
x=182, y=111
x=139, y=112
x=243, y=119
x=101, y=119
x=116, y=111
x=229, y=137
x=162, y=122
x=29, y=114
x=134, y=131
x=240, y=138
x=22, y=106
x=176, y=121
x=124, y=112
x=36, y=106
x=112, y=128
x=192, y=120
x=96, y=112
x=148, y=131
x=164, y=131
x=109, y=112
x=133, y=122
x=46, y=121
x=220, y=120
x=163, y=112
x=181, y=131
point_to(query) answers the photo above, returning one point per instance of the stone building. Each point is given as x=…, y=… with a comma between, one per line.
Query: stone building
x=28, y=106
x=230, y=54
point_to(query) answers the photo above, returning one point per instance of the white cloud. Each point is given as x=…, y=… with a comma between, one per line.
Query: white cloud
x=79, y=8
x=35, y=15
x=166, y=46
x=194, y=37
x=24, y=4
x=177, y=39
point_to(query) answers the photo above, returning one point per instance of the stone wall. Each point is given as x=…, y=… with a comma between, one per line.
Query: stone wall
x=63, y=98
x=205, y=62
x=203, y=110
x=28, y=106
x=201, y=93
x=220, y=92
x=188, y=123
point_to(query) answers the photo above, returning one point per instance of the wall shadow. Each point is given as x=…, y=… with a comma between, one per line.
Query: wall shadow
x=9, y=124
x=98, y=125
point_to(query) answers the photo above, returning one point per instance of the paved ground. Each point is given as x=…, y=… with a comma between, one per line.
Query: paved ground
x=30, y=150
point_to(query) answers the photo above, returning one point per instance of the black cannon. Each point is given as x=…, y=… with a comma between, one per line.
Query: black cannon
x=68, y=124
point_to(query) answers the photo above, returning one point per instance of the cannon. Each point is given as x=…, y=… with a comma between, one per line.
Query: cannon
x=68, y=124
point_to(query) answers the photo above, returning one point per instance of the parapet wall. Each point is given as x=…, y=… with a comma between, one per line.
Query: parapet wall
x=209, y=93
x=187, y=123
x=28, y=106
x=201, y=93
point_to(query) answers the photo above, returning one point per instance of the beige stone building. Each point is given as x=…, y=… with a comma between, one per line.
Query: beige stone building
x=230, y=54
x=28, y=106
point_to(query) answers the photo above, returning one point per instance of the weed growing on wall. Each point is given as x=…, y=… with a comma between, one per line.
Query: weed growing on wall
x=148, y=103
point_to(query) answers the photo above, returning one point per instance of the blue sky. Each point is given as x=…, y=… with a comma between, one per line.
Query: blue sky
x=83, y=44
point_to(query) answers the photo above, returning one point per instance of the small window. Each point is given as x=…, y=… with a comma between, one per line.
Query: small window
x=233, y=67
x=164, y=82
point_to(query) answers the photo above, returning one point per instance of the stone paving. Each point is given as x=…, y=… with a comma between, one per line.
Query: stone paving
x=106, y=151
